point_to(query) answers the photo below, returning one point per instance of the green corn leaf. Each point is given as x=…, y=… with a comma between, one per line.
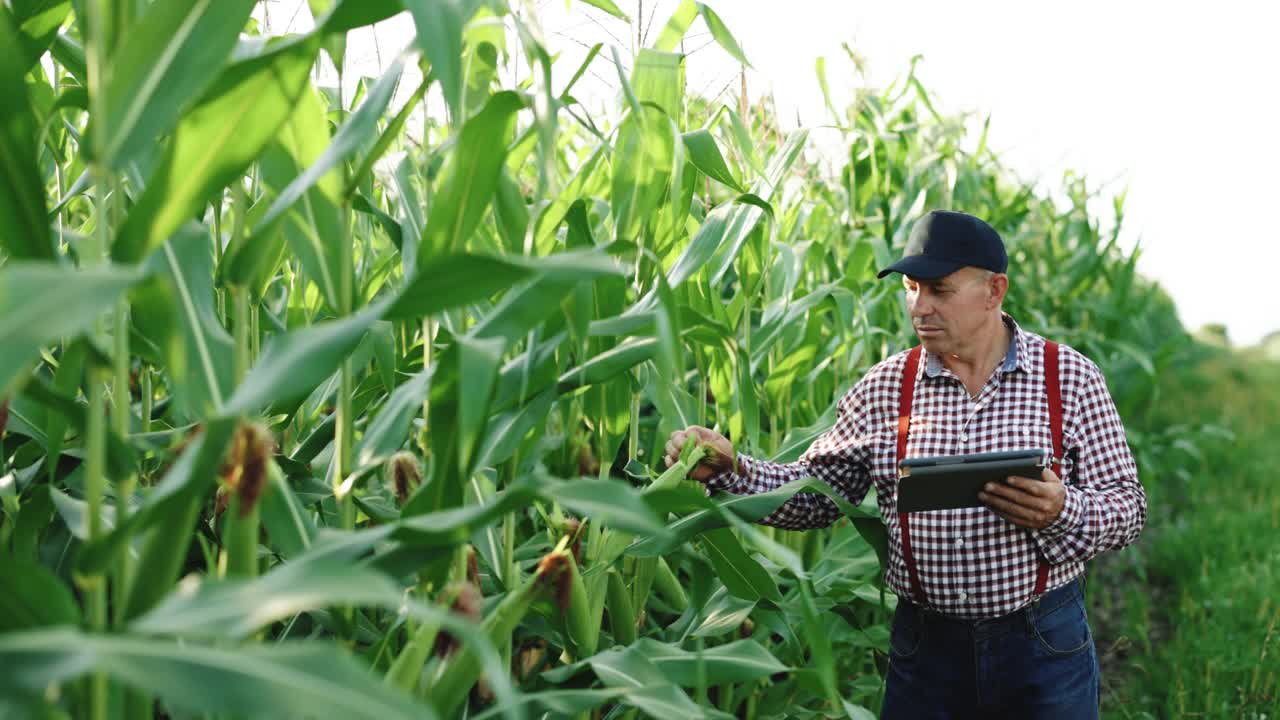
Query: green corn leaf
x=721, y=33
x=558, y=702
x=609, y=7
x=34, y=598
x=728, y=225
x=237, y=608
x=287, y=523
x=66, y=381
x=608, y=502
x=41, y=303
x=292, y=365
x=552, y=216
x=648, y=689
x=658, y=79
x=749, y=508
x=429, y=527
x=122, y=461
x=608, y=364
x=470, y=176
x=188, y=479
x=455, y=280
x=360, y=129
x=673, y=32
x=705, y=155
x=641, y=171
x=24, y=227
x=166, y=61
x=744, y=576
x=256, y=680
x=351, y=14
x=315, y=227
x=204, y=357
x=525, y=307
x=479, y=360
x=37, y=23
x=303, y=139
x=738, y=661
x=70, y=55
x=439, y=24
x=510, y=212
x=508, y=428
x=389, y=428
x=215, y=141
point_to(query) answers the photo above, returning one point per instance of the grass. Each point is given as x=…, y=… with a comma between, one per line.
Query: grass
x=1198, y=600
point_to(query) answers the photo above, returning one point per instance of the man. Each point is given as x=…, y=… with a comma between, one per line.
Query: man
x=990, y=620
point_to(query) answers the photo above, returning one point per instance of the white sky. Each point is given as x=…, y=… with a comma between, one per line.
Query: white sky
x=1178, y=100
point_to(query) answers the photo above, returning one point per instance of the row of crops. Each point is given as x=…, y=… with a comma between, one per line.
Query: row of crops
x=338, y=406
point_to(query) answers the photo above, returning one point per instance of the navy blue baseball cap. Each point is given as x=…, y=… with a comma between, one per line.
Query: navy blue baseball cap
x=945, y=241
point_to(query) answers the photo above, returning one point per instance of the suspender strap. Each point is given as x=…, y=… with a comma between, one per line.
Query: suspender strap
x=904, y=426
x=1053, y=387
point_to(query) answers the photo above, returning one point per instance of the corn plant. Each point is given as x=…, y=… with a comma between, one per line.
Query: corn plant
x=327, y=405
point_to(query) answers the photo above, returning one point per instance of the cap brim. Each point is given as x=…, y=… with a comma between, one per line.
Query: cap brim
x=923, y=267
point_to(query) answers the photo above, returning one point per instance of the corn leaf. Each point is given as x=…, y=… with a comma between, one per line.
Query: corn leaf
x=470, y=176
x=37, y=23
x=24, y=227
x=744, y=576
x=264, y=680
x=705, y=155
x=439, y=35
x=214, y=143
x=292, y=365
x=721, y=33
x=35, y=597
x=166, y=61
x=41, y=303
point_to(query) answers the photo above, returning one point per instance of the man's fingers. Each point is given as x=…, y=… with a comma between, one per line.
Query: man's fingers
x=1040, y=488
x=1018, y=498
x=1007, y=509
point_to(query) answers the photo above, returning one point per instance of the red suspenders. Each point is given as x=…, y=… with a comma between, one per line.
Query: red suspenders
x=1054, y=389
x=904, y=427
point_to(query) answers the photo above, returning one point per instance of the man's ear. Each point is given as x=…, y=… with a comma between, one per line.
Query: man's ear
x=997, y=287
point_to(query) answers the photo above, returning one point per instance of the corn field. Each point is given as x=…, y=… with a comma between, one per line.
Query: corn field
x=331, y=406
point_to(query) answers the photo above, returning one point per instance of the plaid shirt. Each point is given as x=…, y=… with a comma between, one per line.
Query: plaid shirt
x=972, y=563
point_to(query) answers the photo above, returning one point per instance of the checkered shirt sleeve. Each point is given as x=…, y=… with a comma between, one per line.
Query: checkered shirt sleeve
x=838, y=457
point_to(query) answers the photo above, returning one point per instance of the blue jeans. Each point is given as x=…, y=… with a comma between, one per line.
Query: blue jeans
x=1038, y=663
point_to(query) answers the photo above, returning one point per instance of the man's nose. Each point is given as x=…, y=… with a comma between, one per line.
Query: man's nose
x=919, y=305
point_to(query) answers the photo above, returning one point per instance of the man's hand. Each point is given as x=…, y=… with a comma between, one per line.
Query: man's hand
x=1023, y=501
x=720, y=454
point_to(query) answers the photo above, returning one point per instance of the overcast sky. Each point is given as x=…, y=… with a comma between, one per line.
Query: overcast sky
x=1176, y=100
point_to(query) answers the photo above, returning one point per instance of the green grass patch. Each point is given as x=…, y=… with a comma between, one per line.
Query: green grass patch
x=1195, y=606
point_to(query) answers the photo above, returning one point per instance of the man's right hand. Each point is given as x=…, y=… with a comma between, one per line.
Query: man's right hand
x=720, y=454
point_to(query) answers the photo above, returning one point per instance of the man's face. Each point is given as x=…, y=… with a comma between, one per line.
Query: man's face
x=948, y=312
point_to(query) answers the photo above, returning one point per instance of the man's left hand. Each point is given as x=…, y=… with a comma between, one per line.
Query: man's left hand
x=1023, y=501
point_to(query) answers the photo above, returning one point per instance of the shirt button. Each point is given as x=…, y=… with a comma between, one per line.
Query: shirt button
x=963, y=596
x=959, y=542
x=964, y=437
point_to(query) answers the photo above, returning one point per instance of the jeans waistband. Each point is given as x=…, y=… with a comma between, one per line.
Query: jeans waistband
x=1047, y=603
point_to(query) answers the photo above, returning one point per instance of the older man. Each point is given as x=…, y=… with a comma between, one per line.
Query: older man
x=991, y=619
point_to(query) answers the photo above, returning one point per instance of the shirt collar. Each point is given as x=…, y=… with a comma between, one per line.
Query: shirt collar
x=1014, y=359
